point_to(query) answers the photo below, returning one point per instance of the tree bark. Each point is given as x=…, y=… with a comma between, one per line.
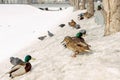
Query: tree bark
x=75, y=4
x=90, y=7
x=112, y=9
x=82, y=4
x=77, y=7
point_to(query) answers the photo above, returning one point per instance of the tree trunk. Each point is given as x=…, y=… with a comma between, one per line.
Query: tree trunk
x=82, y=4
x=72, y=2
x=75, y=4
x=77, y=7
x=1, y=1
x=112, y=9
x=90, y=7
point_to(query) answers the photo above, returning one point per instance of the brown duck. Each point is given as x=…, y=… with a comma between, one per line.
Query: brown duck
x=76, y=45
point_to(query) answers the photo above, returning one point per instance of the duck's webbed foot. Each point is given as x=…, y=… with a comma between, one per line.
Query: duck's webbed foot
x=11, y=76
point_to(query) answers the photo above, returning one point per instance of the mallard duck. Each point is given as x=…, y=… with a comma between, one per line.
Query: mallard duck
x=21, y=68
x=72, y=23
x=81, y=16
x=75, y=45
x=77, y=26
x=79, y=38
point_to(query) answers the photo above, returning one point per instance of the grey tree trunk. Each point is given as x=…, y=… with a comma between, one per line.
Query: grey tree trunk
x=112, y=16
x=1, y=1
x=75, y=4
x=82, y=4
x=40, y=1
x=77, y=7
x=90, y=8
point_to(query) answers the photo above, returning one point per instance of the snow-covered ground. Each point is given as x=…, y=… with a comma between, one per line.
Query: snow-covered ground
x=22, y=24
x=54, y=62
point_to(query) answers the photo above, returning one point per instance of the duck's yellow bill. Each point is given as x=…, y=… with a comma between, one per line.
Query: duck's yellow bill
x=33, y=59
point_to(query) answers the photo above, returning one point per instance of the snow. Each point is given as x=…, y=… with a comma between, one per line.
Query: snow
x=20, y=25
x=54, y=62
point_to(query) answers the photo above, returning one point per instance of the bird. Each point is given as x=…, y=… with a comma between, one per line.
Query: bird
x=50, y=34
x=72, y=23
x=61, y=25
x=21, y=68
x=81, y=16
x=75, y=45
x=77, y=26
x=42, y=37
x=79, y=38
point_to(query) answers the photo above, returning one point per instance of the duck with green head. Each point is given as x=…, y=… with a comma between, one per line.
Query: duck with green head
x=21, y=68
x=79, y=37
x=81, y=33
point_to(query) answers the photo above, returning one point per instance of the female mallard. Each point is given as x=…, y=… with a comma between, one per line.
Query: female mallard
x=75, y=45
x=72, y=23
x=21, y=68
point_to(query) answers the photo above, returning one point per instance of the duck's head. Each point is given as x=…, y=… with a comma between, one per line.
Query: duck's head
x=27, y=58
x=79, y=35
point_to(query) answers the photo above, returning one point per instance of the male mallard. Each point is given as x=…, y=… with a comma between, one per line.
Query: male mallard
x=21, y=68
x=79, y=37
x=81, y=33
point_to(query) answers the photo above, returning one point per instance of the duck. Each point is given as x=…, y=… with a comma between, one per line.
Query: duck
x=79, y=38
x=81, y=16
x=77, y=26
x=75, y=45
x=72, y=23
x=20, y=68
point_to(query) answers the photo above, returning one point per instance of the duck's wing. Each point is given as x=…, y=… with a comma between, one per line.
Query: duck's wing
x=80, y=41
x=15, y=61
